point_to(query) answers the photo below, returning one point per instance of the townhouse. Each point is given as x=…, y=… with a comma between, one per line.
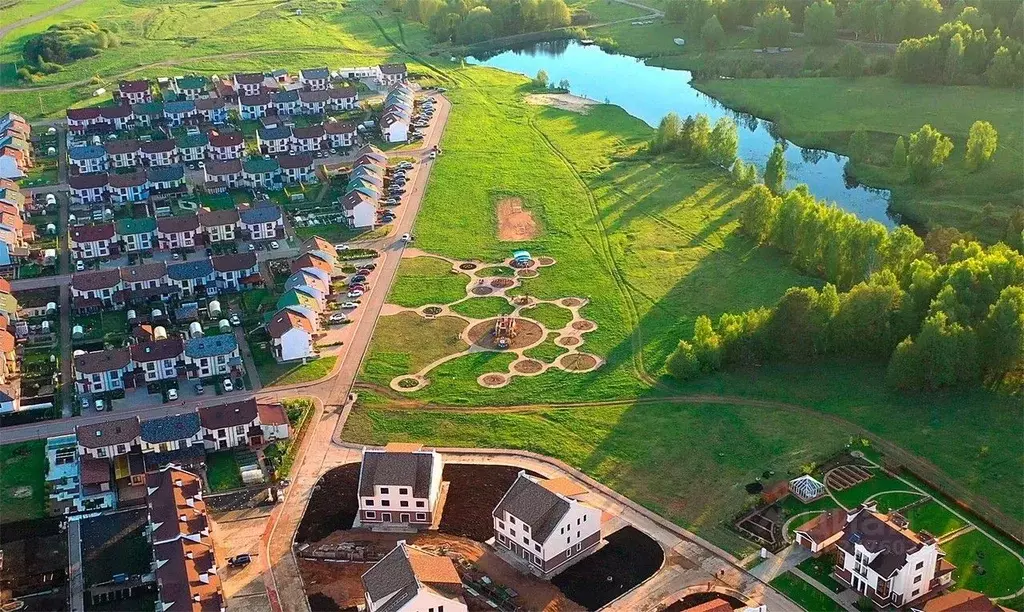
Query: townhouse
x=309, y=277
x=264, y=222
x=226, y=145
x=122, y=153
x=394, y=124
x=219, y=225
x=252, y=107
x=158, y=152
x=118, y=118
x=177, y=232
x=82, y=120
x=390, y=75
x=156, y=360
x=313, y=102
x=315, y=79
x=248, y=84
x=133, y=92
x=342, y=98
x=88, y=158
x=543, y=524
x=189, y=87
x=166, y=181
x=399, y=484
x=235, y=271
x=148, y=114
x=316, y=260
x=136, y=234
x=193, y=278
x=309, y=139
x=359, y=209
x=273, y=421
x=101, y=371
x=95, y=291
x=216, y=355
x=285, y=102
x=87, y=188
x=180, y=112
x=108, y=439
x=125, y=188
x=225, y=174
x=340, y=134
x=192, y=147
x=297, y=168
x=320, y=246
x=230, y=425
x=292, y=335
x=172, y=433
x=304, y=298
x=145, y=281
x=212, y=110
x=408, y=579
x=275, y=140
x=93, y=241
x=261, y=173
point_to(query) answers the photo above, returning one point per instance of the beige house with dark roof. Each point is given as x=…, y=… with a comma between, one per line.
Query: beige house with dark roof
x=102, y=371
x=230, y=425
x=399, y=484
x=109, y=438
x=408, y=579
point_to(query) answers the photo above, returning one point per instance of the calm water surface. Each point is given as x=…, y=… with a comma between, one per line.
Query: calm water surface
x=650, y=93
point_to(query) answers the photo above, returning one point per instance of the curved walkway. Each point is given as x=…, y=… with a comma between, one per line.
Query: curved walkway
x=7, y=29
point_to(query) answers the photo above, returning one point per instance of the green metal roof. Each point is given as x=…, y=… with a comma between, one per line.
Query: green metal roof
x=191, y=82
x=136, y=226
x=260, y=165
x=192, y=141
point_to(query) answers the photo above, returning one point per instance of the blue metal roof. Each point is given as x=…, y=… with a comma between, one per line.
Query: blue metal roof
x=261, y=214
x=211, y=346
x=87, y=152
x=169, y=428
x=187, y=270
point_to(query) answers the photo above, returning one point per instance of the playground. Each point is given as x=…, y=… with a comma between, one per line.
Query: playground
x=497, y=316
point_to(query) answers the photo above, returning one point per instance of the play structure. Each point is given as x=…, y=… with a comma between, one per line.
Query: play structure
x=504, y=331
x=521, y=259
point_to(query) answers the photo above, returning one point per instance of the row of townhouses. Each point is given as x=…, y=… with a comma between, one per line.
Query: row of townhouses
x=262, y=222
x=130, y=153
x=274, y=137
x=15, y=147
x=396, y=114
x=126, y=187
x=10, y=366
x=365, y=188
x=14, y=232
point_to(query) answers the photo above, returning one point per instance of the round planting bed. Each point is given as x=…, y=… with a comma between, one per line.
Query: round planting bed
x=502, y=283
x=528, y=366
x=583, y=325
x=527, y=333
x=481, y=291
x=578, y=362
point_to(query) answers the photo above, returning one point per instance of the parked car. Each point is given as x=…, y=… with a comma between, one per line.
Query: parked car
x=396, y=191
x=199, y=388
x=357, y=287
x=252, y=247
x=385, y=219
x=209, y=252
x=201, y=165
x=341, y=247
x=364, y=271
x=337, y=318
x=228, y=386
x=350, y=305
x=406, y=238
x=404, y=166
x=433, y=155
x=100, y=405
x=172, y=394
x=240, y=560
x=235, y=320
x=176, y=256
x=79, y=265
x=358, y=278
x=84, y=401
x=274, y=245
x=355, y=293
x=391, y=202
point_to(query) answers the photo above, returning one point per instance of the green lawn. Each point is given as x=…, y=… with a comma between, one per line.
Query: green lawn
x=551, y=316
x=934, y=519
x=282, y=452
x=983, y=565
x=822, y=113
x=222, y=472
x=546, y=351
x=273, y=373
x=878, y=483
x=426, y=280
x=821, y=570
x=805, y=595
x=683, y=461
x=22, y=481
x=894, y=501
x=405, y=343
x=97, y=326
x=339, y=232
x=483, y=307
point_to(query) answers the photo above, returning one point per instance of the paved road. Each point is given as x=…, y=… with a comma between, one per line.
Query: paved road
x=76, y=580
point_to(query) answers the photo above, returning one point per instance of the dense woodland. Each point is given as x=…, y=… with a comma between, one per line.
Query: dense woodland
x=470, y=21
x=62, y=44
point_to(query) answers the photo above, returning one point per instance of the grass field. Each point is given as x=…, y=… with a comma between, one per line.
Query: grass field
x=683, y=461
x=222, y=472
x=546, y=351
x=878, y=483
x=982, y=565
x=822, y=113
x=551, y=316
x=483, y=307
x=434, y=338
x=805, y=595
x=22, y=484
x=426, y=280
x=894, y=501
x=934, y=519
x=821, y=570
x=273, y=373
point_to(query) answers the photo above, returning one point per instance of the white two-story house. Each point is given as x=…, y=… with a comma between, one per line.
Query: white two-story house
x=230, y=425
x=108, y=439
x=408, y=579
x=208, y=356
x=101, y=371
x=399, y=484
x=156, y=360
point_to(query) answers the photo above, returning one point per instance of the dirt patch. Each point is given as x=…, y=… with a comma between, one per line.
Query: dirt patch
x=514, y=223
x=571, y=302
x=502, y=283
x=567, y=341
x=20, y=492
x=583, y=326
x=527, y=273
x=530, y=366
x=481, y=291
x=691, y=601
x=432, y=310
x=467, y=266
x=546, y=261
x=333, y=586
x=578, y=362
x=494, y=380
x=332, y=506
x=629, y=558
x=473, y=491
x=527, y=333
x=564, y=101
x=521, y=300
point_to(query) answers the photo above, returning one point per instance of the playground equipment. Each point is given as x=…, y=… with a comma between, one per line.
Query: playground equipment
x=504, y=331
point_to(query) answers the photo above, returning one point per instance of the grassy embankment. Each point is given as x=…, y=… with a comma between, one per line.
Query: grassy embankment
x=822, y=113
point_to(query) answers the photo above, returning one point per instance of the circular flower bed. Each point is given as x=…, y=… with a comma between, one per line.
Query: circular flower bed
x=502, y=283
x=583, y=326
x=432, y=311
x=529, y=366
x=467, y=266
x=578, y=362
x=571, y=302
x=526, y=273
x=481, y=291
x=567, y=341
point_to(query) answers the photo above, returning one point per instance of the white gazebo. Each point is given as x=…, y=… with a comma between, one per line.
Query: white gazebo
x=806, y=489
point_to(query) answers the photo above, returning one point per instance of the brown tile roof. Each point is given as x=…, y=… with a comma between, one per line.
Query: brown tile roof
x=209, y=103
x=92, y=233
x=314, y=96
x=563, y=486
x=94, y=471
x=229, y=415
x=286, y=320
x=299, y=160
x=116, y=112
x=308, y=261
x=175, y=225
x=168, y=348
x=168, y=502
x=136, y=86
x=234, y=262
x=342, y=92
x=83, y=114
x=102, y=361
x=128, y=180
x=216, y=218
x=824, y=526
x=316, y=243
x=226, y=139
x=431, y=569
x=100, y=279
x=107, y=433
x=340, y=127
x=115, y=147
x=144, y=272
x=157, y=146
x=962, y=601
x=88, y=181
x=260, y=99
x=392, y=68
x=272, y=414
x=310, y=131
x=224, y=168
x=249, y=78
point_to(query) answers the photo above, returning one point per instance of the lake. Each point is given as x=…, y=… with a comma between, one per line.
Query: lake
x=649, y=93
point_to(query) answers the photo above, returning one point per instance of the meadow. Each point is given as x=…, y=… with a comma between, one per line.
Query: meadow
x=22, y=486
x=822, y=113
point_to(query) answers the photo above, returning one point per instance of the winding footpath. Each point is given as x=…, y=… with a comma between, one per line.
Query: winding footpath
x=7, y=29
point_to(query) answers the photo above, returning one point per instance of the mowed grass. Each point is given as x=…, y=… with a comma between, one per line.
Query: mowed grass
x=546, y=351
x=859, y=493
x=824, y=112
x=888, y=502
x=22, y=481
x=483, y=307
x=426, y=280
x=549, y=315
x=983, y=565
x=934, y=519
x=821, y=570
x=222, y=471
x=806, y=596
x=405, y=343
x=276, y=374
x=688, y=462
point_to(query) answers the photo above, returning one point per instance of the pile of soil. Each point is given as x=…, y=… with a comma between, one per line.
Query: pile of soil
x=629, y=558
x=502, y=283
x=691, y=601
x=481, y=291
x=530, y=366
x=473, y=492
x=570, y=302
x=514, y=223
x=332, y=506
x=578, y=362
x=582, y=325
x=528, y=333
x=333, y=587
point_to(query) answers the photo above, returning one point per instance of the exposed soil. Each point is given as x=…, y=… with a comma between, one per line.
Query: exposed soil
x=545, y=261
x=481, y=291
x=333, y=586
x=527, y=273
x=332, y=506
x=473, y=492
x=567, y=341
x=514, y=223
x=432, y=310
x=570, y=302
x=629, y=558
x=696, y=599
x=502, y=283
x=582, y=325
x=530, y=366
x=521, y=300
x=493, y=380
x=564, y=101
x=467, y=266
x=528, y=333
x=577, y=362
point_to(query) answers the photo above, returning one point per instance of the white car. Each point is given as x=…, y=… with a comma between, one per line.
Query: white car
x=228, y=387
x=337, y=318
x=404, y=166
x=79, y=265
x=100, y=405
x=355, y=293
x=341, y=247
x=172, y=394
x=406, y=238
x=350, y=305
x=433, y=155
x=201, y=165
x=274, y=245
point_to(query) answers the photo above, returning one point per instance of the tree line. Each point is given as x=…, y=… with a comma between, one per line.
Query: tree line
x=470, y=21
x=697, y=140
x=62, y=44
x=940, y=314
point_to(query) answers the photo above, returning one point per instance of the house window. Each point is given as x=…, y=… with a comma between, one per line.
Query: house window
x=918, y=579
x=537, y=547
x=421, y=516
x=385, y=503
x=371, y=514
x=403, y=491
x=383, y=490
x=578, y=521
x=501, y=525
x=511, y=519
x=512, y=532
x=579, y=547
x=584, y=518
x=526, y=528
x=101, y=452
x=121, y=448
x=403, y=504
x=369, y=502
x=914, y=594
x=419, y=504
x=919, y=565
x=240, y=430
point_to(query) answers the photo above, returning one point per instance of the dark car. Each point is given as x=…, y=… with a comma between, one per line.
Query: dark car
x=240, y=560
x=358, y=278
x=364, y=271
x=370, y=266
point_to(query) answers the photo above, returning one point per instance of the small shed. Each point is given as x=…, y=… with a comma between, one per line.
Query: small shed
x=224, y=326
x=806, y=488
x=214, y=309
x=195, y=329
